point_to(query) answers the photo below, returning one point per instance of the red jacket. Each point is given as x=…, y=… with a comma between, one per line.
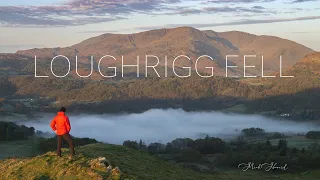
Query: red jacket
x=61, y=123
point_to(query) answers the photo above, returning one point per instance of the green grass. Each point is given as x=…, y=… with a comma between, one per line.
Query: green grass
x=133, y=164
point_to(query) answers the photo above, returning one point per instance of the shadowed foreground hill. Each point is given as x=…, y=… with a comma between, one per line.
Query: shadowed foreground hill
x=133, y=165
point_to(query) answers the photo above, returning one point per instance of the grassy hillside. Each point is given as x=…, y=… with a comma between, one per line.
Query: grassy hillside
x=133, y=165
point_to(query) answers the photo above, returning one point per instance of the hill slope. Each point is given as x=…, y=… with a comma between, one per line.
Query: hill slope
x=133, y=165
x=270, y=47
x=309, y=63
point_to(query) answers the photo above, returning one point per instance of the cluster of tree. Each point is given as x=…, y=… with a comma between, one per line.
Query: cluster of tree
x=296, y=159
x=252, y=132
x=134, y=144
x=231, y=154
x=207, y=145
x=7, y=88
x=313, y=135
x=12, y=132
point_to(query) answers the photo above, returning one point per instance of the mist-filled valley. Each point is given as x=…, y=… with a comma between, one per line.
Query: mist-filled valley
x=156, y=90
x=159, y=125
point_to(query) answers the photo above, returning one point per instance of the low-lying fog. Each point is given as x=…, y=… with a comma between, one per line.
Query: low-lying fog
x=159, y=125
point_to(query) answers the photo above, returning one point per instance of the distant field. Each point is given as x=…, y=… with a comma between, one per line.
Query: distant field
x=295, y=141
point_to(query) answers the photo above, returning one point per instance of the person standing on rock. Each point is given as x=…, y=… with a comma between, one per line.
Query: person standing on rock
x=61, y=126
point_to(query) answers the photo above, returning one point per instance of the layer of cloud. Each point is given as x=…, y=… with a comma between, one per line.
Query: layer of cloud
x=166, y=125
x=233, y=23
x=225, y=9
x=238, y=1
x=82, y=12
x=97, y=32
x=78, y=12
x=254, y=1
x=302, y=1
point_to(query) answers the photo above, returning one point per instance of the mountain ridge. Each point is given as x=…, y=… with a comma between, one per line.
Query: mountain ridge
x=184, y=41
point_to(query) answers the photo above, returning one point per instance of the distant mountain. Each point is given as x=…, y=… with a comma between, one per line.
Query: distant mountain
x=184, y=41
x=269, y=46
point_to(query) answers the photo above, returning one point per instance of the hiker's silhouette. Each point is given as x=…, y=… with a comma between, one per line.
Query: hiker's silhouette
x=61, y=126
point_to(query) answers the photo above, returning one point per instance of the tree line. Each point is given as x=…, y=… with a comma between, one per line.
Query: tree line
x=12, y=132
x=232, y=153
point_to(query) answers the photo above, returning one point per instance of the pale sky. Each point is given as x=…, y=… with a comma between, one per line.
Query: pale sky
x=28, y=24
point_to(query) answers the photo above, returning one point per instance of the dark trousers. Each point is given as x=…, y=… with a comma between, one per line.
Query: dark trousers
x=68, y=138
